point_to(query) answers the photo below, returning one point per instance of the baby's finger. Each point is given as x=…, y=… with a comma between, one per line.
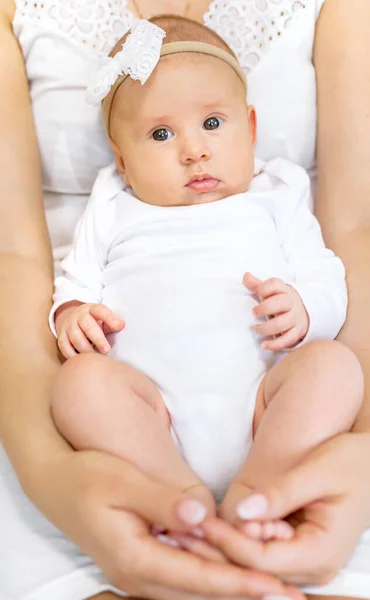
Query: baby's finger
x=100, y=312
x=274, y=305
x=271, y=287
x=276, y=325
x=78, y=339
x=94, y=332
x=65, y=346
x=252, y=283
x=287, y=340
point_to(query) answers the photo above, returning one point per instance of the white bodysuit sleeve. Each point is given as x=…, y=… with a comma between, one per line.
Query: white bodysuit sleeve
x=319, y=275
x=82, y=268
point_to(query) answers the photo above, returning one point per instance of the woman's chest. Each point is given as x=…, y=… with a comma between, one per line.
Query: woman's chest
x=62, y=39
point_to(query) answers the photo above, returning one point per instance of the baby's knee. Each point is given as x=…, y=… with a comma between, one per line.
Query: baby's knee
x=79, y=381
x=339, y=366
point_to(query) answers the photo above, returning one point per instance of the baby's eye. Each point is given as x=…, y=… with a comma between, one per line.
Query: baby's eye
x=161, y=135
x=212, y=123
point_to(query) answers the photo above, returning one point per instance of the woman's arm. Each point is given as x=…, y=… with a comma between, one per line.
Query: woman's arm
x=27, y=351
x=342, y=52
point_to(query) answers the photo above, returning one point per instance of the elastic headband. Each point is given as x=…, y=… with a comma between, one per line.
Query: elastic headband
x=138, y=58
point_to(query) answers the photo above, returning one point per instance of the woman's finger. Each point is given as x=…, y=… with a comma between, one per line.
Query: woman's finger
x=94, y=332
x=153, y=501
x=296, y=560
x=160, y=503
x=199, y=547
x=78, y=339
x=274, y=305
x=100, y=312
x=286, y=340
x=312, y=480
x=156, y=562
x=275, y=326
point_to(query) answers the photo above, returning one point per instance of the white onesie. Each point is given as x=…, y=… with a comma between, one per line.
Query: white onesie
x=175, y=275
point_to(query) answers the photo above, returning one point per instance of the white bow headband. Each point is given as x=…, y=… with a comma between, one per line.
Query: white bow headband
x=138, y=58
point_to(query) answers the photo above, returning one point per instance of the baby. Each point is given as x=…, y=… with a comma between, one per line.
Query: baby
x=209, y=383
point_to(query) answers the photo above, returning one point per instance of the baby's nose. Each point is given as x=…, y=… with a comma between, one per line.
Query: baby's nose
x=195, y=150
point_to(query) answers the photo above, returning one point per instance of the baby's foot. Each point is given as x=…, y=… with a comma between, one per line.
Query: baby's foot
x=268, y=530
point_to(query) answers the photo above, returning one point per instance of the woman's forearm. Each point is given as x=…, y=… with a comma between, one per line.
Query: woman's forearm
x=354, y=249
x=28, y=354
x=29, y=361
x=341, y=58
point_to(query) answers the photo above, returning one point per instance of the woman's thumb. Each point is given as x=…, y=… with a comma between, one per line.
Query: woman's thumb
x=288, y=493
x=162, y=504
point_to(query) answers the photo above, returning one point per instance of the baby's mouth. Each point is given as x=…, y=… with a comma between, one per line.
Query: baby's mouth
x=203, y=182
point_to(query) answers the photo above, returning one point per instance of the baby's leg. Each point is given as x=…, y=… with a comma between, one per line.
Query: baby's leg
x=102, y=404
x=312, y=394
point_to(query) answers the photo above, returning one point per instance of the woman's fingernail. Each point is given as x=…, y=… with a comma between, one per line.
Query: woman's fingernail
x=198, y=533
x=191, y=512
x=253, y=507
x=164, y=539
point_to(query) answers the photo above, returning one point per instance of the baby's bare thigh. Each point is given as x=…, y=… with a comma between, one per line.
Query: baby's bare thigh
x=95, y=376
x=321, y=367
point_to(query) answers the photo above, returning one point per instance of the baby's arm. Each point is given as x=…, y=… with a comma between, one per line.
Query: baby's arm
x=82, y=328
x=312, y=305
x=78, y=319
x=318, y=275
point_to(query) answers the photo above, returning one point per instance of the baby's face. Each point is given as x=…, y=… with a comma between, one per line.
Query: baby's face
x=186, y=136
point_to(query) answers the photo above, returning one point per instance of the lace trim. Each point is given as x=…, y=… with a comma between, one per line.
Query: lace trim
x=98, y=24
x=251, y=27
x=138, y=58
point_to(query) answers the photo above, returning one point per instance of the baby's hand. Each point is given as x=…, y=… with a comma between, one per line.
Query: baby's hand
x=282, y=305
x=82, y=327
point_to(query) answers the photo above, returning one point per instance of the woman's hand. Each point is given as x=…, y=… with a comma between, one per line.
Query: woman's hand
x=331, y=491
x=105, y=506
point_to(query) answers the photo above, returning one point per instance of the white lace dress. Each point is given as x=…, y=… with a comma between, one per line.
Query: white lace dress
x=59, y=38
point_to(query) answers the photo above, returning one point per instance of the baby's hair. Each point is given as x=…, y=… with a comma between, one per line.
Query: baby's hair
x=178, y=29
x=181, y=29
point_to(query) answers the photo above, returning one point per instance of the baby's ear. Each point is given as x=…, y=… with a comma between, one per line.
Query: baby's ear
x=252, y=118
x=119, y=162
